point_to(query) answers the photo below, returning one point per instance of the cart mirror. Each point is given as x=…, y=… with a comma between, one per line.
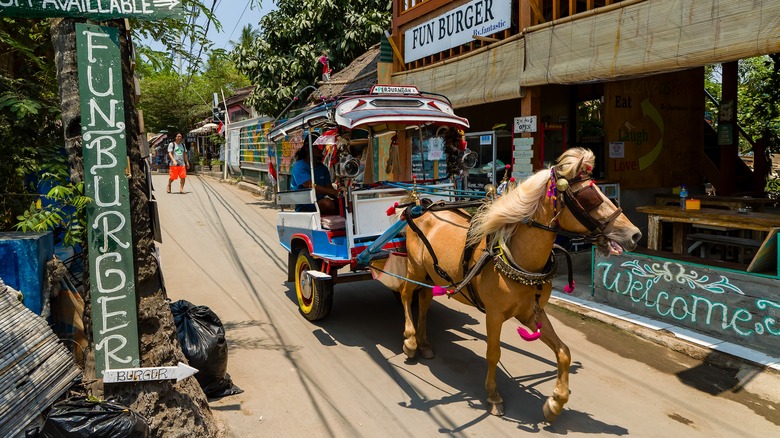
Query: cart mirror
x=352, y=168
x=348, y=167
x=469, y=159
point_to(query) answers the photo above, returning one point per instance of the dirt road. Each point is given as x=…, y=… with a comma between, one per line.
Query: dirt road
x=347, y=376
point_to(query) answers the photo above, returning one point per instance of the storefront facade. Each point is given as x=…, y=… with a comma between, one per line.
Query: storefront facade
x=525, y=71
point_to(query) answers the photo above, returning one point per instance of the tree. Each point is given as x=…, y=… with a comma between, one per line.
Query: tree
x=30, y=127
x=759, y=99
x=175, y=102
x=283, y=59
x=157, y=333
x=248, y=35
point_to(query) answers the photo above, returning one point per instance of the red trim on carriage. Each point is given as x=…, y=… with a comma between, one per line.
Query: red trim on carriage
x=388, y=246
x=305, y=238
x=336, y=233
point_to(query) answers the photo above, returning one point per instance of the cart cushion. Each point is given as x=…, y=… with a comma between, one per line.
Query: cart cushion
x=333, y=222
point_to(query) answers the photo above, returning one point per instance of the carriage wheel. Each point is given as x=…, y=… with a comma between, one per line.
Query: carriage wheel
x=315, y=297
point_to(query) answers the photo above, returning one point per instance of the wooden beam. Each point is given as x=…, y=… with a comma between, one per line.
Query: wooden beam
x=485, y=39
x=395, y=50
x=538, y=11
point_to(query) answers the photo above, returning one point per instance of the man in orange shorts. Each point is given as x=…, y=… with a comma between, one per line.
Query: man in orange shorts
x=177, y=153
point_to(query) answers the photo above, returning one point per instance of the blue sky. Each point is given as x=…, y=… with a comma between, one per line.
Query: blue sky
x=234, y=15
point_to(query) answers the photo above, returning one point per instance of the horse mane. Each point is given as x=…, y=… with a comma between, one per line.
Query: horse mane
x=500, y=218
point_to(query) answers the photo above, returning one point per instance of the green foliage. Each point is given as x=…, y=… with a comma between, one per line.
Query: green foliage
x=248, y=35
x=772, y=187
x=217, y=139
x=759, y=100
x=184, y=40
x=283, y=58
x=712, y=84
x=174, y=102
x=67, y=210
x=758, y=106
x=30, y=127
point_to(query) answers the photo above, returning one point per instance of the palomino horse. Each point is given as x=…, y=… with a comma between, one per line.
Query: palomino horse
x=517, y=231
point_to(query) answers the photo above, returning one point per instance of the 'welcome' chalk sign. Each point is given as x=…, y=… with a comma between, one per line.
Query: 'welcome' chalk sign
x=111, y=272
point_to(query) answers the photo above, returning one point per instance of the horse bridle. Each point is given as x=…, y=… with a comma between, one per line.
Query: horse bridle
x=583, y=201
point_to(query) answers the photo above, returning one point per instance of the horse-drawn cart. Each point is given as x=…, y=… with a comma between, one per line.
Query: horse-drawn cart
x=420, y=127
x=499, y=260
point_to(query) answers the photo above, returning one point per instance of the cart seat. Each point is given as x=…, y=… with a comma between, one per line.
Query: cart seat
x=333, y=222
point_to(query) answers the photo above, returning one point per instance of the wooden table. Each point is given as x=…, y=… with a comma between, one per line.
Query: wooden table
x=723, y=202
x=683, y=219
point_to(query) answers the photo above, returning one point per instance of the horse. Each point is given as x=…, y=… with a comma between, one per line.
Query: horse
x=513, y=238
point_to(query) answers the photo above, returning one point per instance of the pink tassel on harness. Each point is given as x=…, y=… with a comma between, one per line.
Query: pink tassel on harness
x=528, y=336
x=439, y=291
x=569, y=288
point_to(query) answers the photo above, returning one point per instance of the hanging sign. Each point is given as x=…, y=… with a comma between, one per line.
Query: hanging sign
x=525, y=124
x=99, y=9
x=180, y=371
x=109, y=235
x=456, y=27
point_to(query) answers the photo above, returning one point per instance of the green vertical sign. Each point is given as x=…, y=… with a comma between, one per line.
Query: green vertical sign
x=104, y=149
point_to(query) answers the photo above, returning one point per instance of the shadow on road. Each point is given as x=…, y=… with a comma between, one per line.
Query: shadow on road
x=368, y=316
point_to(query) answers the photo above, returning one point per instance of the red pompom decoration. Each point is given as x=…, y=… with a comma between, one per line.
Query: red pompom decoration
x=391, y=211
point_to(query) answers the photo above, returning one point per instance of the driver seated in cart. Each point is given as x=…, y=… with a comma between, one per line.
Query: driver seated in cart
x=300, y=179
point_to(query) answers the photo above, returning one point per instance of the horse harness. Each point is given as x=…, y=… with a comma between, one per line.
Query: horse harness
x=499, y=254
x=580, y=202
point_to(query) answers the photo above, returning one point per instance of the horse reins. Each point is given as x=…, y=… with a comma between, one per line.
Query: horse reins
x=580, y=203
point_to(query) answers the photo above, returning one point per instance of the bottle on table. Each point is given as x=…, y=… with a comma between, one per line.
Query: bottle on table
x=683, y=196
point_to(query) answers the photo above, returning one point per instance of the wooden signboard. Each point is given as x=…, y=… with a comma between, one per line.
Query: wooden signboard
x=656, y=121
x=733, y=306
x=179, y=372
x=97, y=9
x=109, y=236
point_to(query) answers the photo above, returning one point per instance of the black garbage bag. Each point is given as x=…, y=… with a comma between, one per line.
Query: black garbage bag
x=88, y=418
x=202, y=338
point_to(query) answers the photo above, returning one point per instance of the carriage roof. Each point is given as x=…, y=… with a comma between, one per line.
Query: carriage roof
x=383, y=108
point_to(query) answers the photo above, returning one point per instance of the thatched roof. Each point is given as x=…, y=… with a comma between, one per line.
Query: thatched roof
x=358, y=75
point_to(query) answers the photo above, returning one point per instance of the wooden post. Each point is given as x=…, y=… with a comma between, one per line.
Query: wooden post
x=531, y=105
x=728, y=121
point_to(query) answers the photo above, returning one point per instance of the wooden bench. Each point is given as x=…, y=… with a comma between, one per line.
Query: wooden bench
x=702, y=241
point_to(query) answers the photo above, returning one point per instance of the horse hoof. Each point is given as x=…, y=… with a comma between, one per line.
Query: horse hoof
x=497, y=409
x=408, y=350
x=550, y=413
x=427, y=353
